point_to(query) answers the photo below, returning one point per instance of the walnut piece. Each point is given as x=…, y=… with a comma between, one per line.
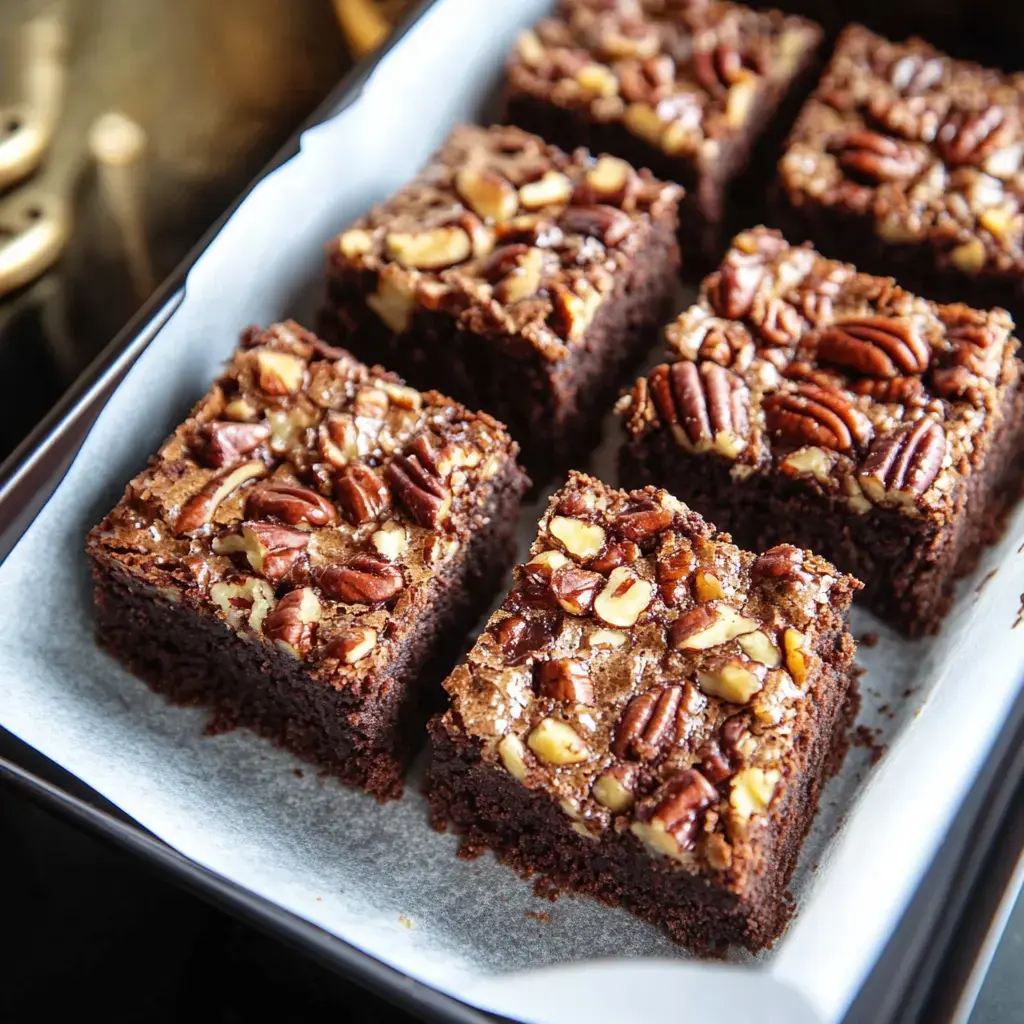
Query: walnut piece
x=624, y=598
x=557, y=743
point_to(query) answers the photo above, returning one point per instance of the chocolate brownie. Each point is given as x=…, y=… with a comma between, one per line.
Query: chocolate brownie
x=813, y=404
x=910, y=163
x=302, y=546
x=514, y=277
x=686, y=89
x=651, y=715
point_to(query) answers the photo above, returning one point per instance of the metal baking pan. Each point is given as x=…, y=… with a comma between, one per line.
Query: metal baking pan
x=880, y=828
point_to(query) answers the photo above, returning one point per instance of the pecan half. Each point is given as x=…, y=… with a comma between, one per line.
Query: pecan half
x=607, y=223
x=876, y=346
x=915, y=73
x=901, y=466
x=222, y=442
x=780, y=563
x=201, y=507
x=292, y=623
x=418, y=486
x=643, y=523
x=291, y=504
x=565, y=679
x=575, y=588
x=904, y=390
x=718, y=67
x=873, y=158
x=669, y=823
x=362, y=580
x=743, y=269
x=816, y=416
x=779, y=323
x=968, y=137
x=520, y=636
x=650, y=724
x=362, y=494
x=705, y=408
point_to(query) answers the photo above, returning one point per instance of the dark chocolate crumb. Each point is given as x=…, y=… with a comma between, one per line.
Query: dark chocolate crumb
x=869, y=640
x=539, y=915
x=868, y=739
x=298, y=772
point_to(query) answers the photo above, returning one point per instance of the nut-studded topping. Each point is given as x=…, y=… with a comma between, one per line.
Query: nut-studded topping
x=223, y=442
x=521, y=637
x=734, y=680
x=355, y=243
x=818, y=416
x=565, y=679
x=624, y=599
x=512, y=752
x=650, y=724
x=553, y=188
x=556, y=742
x=615, y=554
x=391, y=540
x=968, y=137
x=674, y=570
x=707, y=586
x=872, y=158
x=575, y=588
x=671, y=821
x=644, y=522
x=433, y=249
x=487, y=194
x=272, y=550
x=338, y=439
x=245, y=602
x=709, y=625
x=584, y=540
x=751, y=791
x=901, y=466
x=292, y=622
x=759, y=646
x=614, y=789
x=780, y=563
x=354, y=644
x=362, y=494
x=280, y=373
x=607, y=223
x=201, y=508
x=362, y=580
x=876, y=346
x=419, y=488
x=296, y=506
x=743, y=270
x=609, y=179
x=796, y=661
x=706, y=407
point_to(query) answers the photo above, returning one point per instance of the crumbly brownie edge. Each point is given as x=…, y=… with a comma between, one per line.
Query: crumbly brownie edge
x=195, y=659
x=489, y=809
x=552, y=410
x=909, y=567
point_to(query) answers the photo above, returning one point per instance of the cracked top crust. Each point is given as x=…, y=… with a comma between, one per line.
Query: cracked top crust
x=649, y=675
x=505, y=233
x=796, y=364
x=311, y=502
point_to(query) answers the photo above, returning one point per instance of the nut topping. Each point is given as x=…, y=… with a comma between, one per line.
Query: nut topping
x=520, y=637
x=420, y=490
x=390, y=540
x=875, y=346
x=671, y=823
x=609, y=178
x=487, y=194
x=512, y=752
x=565, y=679
x=575, y=588
x=709, y=625
x=553, y=188
x=674, y=570
x=584, y=540
x=604, y=639
x=734, y=680
x=758, y=646
x=607, y=223
x=613, y=789
x=624, y=598
x=433, y=249
x=779, y=563
x=816, y=416
x=247, y=601
x=271, y=550
x=649, y=725
x=872, y=158
x=292, y=622
x=362, y=494
x=362, y=580
x=555, y=742
x=296, y=506
x=280, y=373
x=201, y=508
x=223, y=442
x=352, y=645
x=901, y=466
x=751, y=791
x=796, y=661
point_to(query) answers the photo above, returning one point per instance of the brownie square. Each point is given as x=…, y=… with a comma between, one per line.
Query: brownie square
x=514, y=277
x=910, y=163
x=651, y=715
x=816, y=405
x=302, y=547
x=688, y=90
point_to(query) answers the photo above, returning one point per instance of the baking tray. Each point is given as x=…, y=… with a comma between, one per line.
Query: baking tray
x=863, y=882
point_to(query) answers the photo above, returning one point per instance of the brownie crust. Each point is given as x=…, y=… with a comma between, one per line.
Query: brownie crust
x=305, y=553
x=633, y=762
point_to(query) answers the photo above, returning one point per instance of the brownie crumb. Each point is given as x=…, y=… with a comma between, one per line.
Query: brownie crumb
x=539, y=915
x=298, y=773
x=868, y=739
x=985, y=582
x=869, y=640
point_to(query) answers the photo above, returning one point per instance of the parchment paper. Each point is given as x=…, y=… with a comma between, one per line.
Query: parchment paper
x=378, y=877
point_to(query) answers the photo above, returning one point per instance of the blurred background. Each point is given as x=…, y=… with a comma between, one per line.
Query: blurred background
x=127, y=128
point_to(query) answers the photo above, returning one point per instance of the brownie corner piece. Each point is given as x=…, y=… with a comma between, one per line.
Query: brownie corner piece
x=701, y=93
x=302, y=546
x=515, y=277
x=909, y=163
x=651, y=715
x=809, y=403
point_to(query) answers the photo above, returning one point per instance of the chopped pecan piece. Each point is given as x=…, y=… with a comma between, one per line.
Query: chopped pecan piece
x=575, y=588
x=291, y=504
x=419, y=488
x=292, y=622
x=565, y=679
x=670, y=822
x=362, y=580
x=362, y=494
x=201, y=508
x=650, y=724
x=222, y=442
x=520, y=637
x=780, y=563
